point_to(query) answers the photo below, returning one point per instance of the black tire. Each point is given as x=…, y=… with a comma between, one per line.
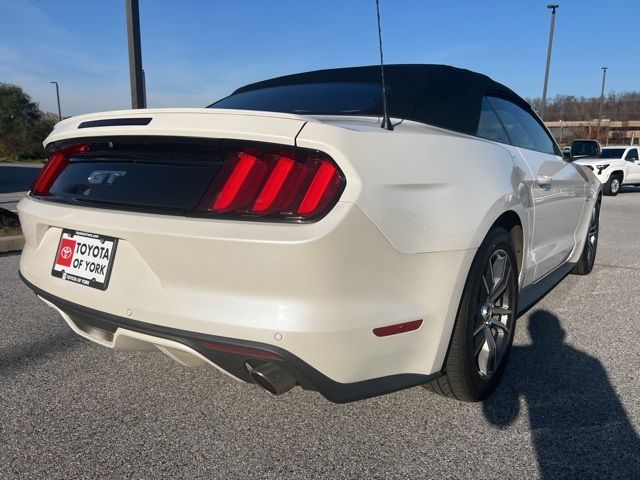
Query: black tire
x=612, y=187
x=462, y=377
x=588, y=257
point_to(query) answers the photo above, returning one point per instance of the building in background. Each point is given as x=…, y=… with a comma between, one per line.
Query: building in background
x=611, y=131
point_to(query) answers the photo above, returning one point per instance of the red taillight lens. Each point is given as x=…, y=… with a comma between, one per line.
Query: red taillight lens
x=244, y=174
x=289, y=185
x=273, y=188
x=322, y=188
x=54, y=166
x=397, y=328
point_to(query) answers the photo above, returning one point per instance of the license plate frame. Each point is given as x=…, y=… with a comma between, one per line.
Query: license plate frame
x=85, y=258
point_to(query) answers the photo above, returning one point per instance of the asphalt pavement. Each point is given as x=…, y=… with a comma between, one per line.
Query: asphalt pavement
x=568, y=407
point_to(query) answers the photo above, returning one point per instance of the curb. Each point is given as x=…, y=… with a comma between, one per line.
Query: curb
x=12, y=243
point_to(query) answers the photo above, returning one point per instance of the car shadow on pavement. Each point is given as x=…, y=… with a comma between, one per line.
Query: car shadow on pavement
x=578, y=425
x=23, y=356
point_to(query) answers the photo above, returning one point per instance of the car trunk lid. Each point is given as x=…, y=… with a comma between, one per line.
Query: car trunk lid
x=194, y=162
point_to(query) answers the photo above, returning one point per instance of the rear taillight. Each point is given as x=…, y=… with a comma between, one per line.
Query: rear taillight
x=296, y=185
x=53, y=167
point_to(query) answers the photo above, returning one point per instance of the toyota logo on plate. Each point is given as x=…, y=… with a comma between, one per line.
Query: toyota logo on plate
x=66, y=252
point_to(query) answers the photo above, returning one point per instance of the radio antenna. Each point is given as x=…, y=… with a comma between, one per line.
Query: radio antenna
x=386, y=121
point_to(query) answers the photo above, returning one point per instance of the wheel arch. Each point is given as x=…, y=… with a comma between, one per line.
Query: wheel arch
x=512, y=223
x=618, y=173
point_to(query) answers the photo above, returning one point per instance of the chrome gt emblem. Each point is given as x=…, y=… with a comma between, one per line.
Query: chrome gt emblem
x=102, y=176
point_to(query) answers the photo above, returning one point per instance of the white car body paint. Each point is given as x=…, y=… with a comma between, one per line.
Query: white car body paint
x=397, y=246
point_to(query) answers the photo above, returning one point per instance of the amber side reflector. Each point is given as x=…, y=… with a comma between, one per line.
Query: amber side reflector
x=397, y=328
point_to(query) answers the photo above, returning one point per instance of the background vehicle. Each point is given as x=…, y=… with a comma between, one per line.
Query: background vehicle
x=616, y=165
x=285, y=238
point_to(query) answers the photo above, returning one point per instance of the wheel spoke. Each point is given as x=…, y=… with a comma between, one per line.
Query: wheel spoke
x=486, y=286
x=496, y=313
x=498, y=269
x=500, y=325
x=501, y=310
x=478, y=350
x=487, y=354
x=501, y=286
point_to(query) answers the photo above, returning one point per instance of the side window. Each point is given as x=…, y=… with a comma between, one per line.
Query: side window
x=489, y=126
x=522, y=127
x=632, y=154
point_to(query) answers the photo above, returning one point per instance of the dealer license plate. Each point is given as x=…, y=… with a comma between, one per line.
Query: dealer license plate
x=85, y=258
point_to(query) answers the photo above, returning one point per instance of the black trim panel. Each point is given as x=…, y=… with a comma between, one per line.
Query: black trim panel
x=308, y=377
x=532, y=294
x=162, y=154
x=115, y=122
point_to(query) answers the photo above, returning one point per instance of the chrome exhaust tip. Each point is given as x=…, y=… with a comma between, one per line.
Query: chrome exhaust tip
x=272, y=378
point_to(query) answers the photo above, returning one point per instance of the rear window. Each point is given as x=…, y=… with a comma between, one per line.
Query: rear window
x=489, y=126
x=523, y=128
x=612, y=153
x=310, y=99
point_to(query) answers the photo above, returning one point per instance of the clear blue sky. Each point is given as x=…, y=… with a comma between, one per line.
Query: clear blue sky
x=197, y=51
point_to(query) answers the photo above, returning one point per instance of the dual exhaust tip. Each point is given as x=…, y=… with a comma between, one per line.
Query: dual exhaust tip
x=272, y=378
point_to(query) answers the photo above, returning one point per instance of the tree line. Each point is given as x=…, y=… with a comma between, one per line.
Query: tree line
x=23, y=126
x=617, y=106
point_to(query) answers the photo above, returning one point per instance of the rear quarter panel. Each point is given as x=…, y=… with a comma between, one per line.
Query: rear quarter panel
x=426, y=189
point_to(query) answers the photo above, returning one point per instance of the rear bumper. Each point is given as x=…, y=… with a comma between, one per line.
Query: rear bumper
x=188, y=347
x=313, y=292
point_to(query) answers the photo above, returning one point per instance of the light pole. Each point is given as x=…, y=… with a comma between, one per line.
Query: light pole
x=138, y=94
x=58, y=97
x=604, y=77
x=553, y=8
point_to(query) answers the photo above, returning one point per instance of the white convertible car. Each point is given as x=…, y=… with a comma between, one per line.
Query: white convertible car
x=284, y=237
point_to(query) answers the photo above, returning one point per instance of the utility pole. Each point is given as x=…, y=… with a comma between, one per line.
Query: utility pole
x=604, y=77
x=553, y=8
x=136, y=74
x=58, y=97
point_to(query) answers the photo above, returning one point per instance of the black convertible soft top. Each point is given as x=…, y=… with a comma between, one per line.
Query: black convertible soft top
x=438, y=95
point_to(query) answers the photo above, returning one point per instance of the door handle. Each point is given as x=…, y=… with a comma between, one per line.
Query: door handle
x=544, y=181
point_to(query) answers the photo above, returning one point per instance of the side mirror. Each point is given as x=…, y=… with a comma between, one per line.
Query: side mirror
x=566, y=154
x=585, y=148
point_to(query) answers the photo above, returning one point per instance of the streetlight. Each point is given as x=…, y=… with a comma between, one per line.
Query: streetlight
x=553, y=8
x=136, y=74
x=604, y=77
x=58, y=97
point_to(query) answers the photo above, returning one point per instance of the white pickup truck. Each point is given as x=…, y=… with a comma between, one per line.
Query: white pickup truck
x=617, y=165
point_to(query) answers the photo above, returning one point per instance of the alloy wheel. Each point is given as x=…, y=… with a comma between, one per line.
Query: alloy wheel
x=592, y=235
x=615, y=185
x=495, y=315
